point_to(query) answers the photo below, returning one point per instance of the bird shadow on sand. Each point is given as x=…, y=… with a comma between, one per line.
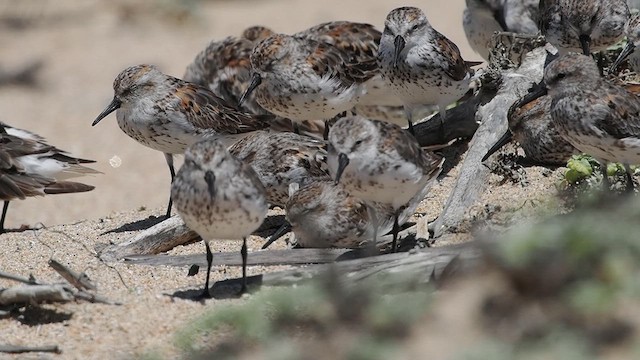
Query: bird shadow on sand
x=137, y=225
x=223, y=289
x=33, y=315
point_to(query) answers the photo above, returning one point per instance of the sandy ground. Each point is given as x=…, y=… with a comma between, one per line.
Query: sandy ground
x=84, y=44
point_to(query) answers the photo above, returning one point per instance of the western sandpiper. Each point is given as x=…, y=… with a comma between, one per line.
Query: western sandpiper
x=420, y=64
x=219, y=197
x=595, y=116
x=583, y=25
x=168, y=114
x=302, y=79
x=532, y=126
x=378, y=161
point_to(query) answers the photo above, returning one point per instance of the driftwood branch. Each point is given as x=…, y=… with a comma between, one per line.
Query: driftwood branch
x=421, y=266
x=18, y=278
x=159, y=238
x=471, y=181
x=19, y=349
x=79, y=280
x=35, y=294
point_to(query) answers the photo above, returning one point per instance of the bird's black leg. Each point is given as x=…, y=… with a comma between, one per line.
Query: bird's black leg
x=605, y=178
x=395, y=230
x=172, y=171
x=4, y=215
x=205, y=291
x=243, y=253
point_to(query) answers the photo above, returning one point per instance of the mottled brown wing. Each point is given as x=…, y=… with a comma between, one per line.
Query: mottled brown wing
x=207, y=111
x=453, y=64
x=408, y=148
x=327, y=60
x=360, y=40
x=623, y=117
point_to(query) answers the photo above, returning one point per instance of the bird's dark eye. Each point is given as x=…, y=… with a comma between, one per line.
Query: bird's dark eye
x=415, y=27
x=561, y=76
x=357, y=143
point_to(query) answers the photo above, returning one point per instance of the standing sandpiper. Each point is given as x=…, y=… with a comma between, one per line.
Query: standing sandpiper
x=168, y=114
x=583, y=25
x=219, y=197
x=420, y=64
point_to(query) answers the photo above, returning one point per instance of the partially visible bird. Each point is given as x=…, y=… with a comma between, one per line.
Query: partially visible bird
x=31, y=167
x=282, y=158
x=224, y=67
x=629, y=53
x=584, y=26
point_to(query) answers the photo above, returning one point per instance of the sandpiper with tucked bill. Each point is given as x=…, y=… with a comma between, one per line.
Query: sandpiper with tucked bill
x=31, y=167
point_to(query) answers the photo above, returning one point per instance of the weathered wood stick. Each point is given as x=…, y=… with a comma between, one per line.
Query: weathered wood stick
x=419, y=266
x=19, y=349
x=18, y=278
x=159, y=238
x=472, y=179
x=35, y=294
x=79, y=280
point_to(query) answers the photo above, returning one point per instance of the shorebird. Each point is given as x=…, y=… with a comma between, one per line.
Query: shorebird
x=420, y=64
x=583, y=25
x=378, y=161
x=168, y=114
x=629, y=53
x=219, y=197
x=31, y=167
x=597, y=117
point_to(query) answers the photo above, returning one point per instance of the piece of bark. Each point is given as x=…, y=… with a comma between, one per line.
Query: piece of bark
x=159, y=238
x=79, y=280
x=472, y=178
x=419, y=266
x=35, y=294
x=19, y=349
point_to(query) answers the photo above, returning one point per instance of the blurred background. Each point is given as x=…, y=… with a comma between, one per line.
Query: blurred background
x=83, y=44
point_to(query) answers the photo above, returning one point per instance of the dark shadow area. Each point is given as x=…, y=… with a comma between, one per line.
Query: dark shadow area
x=137, y=225
x=224, y=289
x=35, y=315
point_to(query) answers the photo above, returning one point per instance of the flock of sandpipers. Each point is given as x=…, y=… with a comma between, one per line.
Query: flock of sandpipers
x=313, y=122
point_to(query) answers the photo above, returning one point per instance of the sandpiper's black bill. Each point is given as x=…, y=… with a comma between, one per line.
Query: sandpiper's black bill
x=623, y=55
x=506, y=137
x=399, y=44
x=113, y=106
x=343, y=161
x=536, y=91
x=585, y=42
x=256, y=80
x=285, y=228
